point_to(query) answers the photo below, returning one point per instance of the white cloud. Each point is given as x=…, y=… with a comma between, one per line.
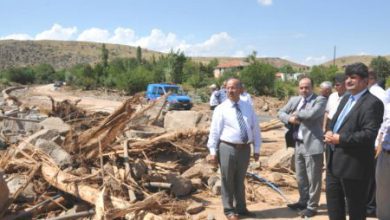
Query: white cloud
x=57, y=32
x=123, y=36
x=220, y=44
x=310, y=61
x=17, y=37
x=95, y=35
x=158, y=40
x=265, y=2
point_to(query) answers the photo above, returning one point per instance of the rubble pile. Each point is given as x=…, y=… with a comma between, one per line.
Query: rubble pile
x=118, y=166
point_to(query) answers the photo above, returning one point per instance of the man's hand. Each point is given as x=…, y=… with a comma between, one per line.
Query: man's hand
x=256, y=156
x=294, y=120
x=331, y=138
x=212, y=159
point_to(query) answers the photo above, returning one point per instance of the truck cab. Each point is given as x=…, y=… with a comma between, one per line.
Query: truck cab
x=177, y=99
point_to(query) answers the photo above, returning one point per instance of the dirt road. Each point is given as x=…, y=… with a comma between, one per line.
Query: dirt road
x=88, y=102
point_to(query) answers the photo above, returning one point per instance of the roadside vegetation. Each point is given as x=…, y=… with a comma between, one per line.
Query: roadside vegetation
x=131, y=75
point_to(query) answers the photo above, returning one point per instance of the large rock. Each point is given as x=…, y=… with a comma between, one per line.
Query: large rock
x=42, y=134
x=15, y=182
x=179, y=120
x=145, y=132
x=201, y=169
x=180, y=186
x=59, y=155
x=283, y=158
x=54, y=123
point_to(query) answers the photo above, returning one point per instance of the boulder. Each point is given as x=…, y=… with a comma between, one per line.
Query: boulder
x=180, y=186
x=185, y=120
x=59, y=155
x=282, y=158
x=16, y=182
x=46, y=134
x=145, y=132
x=54, y=123
x=200, y=169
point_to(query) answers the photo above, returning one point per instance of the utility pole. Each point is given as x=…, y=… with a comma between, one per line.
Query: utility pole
x=334, y=56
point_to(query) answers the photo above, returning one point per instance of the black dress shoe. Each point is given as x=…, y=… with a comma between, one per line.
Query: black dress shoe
x=296, y=206
x=232, y=216
x=247, y=213
x=371, y=213
x=308, y=213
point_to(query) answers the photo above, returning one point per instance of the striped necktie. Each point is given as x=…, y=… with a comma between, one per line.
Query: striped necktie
x=241, y=122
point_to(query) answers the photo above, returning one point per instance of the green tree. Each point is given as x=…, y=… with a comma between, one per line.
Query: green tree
x=252, y=58
x=22, y=75
x=104, y=56
x=322, y=73
x=381, y=66
x=44, y=73
x=139, y=54
x=287, y=69
x=259, y=78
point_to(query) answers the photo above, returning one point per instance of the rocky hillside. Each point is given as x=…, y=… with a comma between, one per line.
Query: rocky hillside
x=342, y=61
x=62, y=54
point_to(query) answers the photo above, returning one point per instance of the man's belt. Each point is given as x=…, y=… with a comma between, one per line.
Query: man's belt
x=386, y=151
x=236, y=145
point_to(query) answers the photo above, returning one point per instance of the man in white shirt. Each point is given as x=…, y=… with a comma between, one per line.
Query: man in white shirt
x=246, y=97
x=234, y=127
x=326, y=88
x=380, y=93
x=214, y=97
x=334, y=99
x=374, y=88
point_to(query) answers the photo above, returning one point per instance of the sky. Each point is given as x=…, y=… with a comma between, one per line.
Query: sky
x=302, y=31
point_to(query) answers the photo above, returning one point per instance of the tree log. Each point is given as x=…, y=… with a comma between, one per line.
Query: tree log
x=56, y=177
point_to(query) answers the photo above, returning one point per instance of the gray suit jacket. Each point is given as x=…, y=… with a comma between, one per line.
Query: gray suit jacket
x=311, y=118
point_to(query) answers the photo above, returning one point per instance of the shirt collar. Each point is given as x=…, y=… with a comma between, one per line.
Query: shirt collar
x=232, y=103
x=357, y=96
x=307, y=98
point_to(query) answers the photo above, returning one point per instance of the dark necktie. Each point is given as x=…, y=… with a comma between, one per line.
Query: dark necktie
x=296, y=127
x=241, y=122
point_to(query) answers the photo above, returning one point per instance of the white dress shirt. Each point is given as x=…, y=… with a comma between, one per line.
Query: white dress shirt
x=246, y=98
x=225, y=127
x=333, y=102
x=377, y=91
x=214, y=99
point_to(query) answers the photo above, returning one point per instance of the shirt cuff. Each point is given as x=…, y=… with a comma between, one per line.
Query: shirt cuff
x=212, y=151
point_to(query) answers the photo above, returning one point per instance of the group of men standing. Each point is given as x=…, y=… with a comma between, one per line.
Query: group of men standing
x=344, y=125
x=353, y=116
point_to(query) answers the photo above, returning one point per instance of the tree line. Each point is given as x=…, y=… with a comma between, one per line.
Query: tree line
x=132, y=75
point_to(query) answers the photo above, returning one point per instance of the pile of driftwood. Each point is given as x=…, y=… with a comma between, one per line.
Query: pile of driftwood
x=97, y=169
x=103, y=173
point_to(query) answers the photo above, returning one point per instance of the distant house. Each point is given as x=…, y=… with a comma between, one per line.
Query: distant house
x=280, y=76
x=233, y=65
x=287, y=76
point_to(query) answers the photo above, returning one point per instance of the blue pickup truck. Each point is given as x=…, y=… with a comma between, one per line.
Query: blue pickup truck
x=177, y=99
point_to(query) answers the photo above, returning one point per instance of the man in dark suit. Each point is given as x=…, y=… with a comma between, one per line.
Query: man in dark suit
x=350, y=142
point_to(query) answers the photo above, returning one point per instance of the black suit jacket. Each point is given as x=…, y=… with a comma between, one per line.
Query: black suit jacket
x=353, y=157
